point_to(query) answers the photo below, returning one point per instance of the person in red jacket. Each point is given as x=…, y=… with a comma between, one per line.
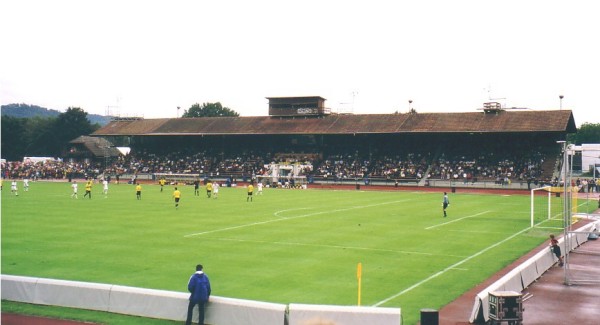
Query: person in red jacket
x=556, y=249
x=199, y=288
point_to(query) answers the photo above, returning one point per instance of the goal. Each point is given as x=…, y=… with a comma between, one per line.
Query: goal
x=546, y=206
x=548, y=203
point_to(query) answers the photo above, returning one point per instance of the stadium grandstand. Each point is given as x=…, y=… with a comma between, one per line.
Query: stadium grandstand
x=303, y=142
x=300, y=139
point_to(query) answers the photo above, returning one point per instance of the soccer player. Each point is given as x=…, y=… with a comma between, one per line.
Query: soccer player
x=105, y=187
x=197, y=187
x=88, y=189
x=250, y=190
x=162, y=182
x=445, y=203
x=209, y=188
x=177, y=196
x=259, y=188
x=13, y=188
x=138, y=191
x=74, y=187
x=216, y=190
x=26, y=184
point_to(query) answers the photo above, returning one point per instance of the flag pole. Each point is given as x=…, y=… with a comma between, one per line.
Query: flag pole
x=359, y=277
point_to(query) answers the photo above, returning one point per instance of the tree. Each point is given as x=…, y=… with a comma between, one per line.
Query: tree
x=587, y=133
x=14, y=139
x=73, y=123
x=209, y=110
x=40, y=136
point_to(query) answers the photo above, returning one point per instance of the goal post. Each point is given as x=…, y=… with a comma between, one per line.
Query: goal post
x=538, y=201
x=548, y=204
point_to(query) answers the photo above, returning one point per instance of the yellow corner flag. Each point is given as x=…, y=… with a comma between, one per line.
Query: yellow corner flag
x=359, y=277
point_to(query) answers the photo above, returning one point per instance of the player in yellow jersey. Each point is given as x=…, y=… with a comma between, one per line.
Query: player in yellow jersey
x=209, y=189
x=250, y=191
x=177, y=196
x=88, y=189
x=138, y=191
x=162, y=182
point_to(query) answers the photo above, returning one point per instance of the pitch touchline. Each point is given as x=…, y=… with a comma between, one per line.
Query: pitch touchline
x=449, y=268
x=455, y=220
x=290, y=218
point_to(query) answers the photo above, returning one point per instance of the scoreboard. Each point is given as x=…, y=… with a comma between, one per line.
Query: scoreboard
x=297, y=106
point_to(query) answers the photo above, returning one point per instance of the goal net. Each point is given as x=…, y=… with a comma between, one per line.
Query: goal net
x=547, y=207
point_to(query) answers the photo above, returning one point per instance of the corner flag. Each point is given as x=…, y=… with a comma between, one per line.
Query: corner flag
x=359, y=277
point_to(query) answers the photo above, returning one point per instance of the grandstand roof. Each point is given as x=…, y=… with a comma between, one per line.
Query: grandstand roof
x=98, y=147
x=478, y=122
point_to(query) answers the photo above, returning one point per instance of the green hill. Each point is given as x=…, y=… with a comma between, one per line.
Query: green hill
x=30, y=111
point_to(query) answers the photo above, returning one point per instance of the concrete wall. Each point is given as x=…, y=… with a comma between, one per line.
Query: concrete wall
x=173, y=305
x=525, y=274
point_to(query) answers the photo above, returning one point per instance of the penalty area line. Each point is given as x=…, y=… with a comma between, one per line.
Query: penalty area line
x=459, y=219
x=451, y=267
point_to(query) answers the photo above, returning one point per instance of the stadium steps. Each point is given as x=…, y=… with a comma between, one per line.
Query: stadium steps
x=551, y=167
x=424, y=179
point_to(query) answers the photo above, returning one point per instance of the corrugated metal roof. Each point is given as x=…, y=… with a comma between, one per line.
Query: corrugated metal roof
x=503, y=121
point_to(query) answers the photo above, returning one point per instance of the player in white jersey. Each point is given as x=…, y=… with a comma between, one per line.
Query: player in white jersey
x=26, y=184
x=74, y=187
x=215, y=190
x=105, y=187
x=13, y=188
x=259, y=187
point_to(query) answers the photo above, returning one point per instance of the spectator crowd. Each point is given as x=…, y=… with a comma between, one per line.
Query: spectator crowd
x=467, y=166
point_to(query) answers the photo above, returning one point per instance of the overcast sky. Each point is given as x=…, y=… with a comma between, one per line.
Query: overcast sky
x=146, y=58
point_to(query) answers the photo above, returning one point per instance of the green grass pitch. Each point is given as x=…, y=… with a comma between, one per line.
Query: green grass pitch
x=287, y=246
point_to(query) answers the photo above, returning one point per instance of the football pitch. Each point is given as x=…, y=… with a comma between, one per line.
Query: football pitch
x=286, y=246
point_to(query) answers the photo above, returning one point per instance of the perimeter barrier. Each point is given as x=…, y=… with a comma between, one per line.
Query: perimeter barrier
x=523, y=275
x=172, y=305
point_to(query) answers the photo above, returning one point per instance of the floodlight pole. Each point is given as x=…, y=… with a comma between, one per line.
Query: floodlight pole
x=561, y=98
x=567, y=193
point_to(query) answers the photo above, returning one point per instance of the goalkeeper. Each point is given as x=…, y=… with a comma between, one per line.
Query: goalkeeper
x=445, y=203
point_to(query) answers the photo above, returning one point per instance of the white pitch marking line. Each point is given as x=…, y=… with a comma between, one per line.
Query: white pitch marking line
x=290, y=218
x=455, y=220
x=332, y=246
x=281, y=211
x=453, y=266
